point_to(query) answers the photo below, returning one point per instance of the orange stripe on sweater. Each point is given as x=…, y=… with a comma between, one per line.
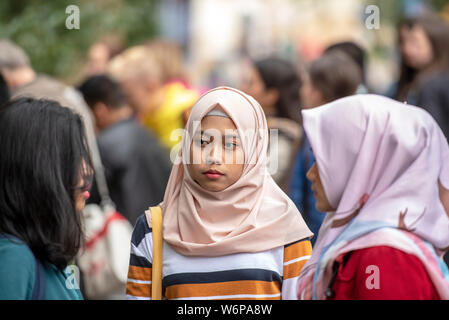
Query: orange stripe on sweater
x=297, y=250
x=138, y=289
x=222, y=288
x=139, y=273
x=293, y=270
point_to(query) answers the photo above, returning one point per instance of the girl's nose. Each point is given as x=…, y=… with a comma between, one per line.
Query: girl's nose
x=215, y=155
x=311, y=173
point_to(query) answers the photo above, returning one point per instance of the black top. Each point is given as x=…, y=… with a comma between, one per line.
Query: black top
x=136, y=166
x=433, y=96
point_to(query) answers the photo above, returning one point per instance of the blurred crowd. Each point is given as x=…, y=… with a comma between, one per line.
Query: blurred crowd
x=135, y=101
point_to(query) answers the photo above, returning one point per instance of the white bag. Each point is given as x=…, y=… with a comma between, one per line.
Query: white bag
x=105, y=260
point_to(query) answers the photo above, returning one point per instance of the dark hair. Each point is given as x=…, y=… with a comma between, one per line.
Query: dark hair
x=44, y=156
x=101, y=88
x=354, y=51
x=4, y=91
x=335, y=76
x=281, y=75
x=437, y=32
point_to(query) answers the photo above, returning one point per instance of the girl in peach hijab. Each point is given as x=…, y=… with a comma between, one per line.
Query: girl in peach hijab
x=382, y=174
x=229, y=231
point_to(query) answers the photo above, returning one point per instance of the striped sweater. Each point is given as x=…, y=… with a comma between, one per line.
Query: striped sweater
x=270, y=274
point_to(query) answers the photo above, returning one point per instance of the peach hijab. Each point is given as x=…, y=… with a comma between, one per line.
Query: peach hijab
x=251, y=215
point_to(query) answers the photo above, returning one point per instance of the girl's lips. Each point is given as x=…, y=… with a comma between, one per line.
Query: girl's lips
x=213, y=174
x=86, y=195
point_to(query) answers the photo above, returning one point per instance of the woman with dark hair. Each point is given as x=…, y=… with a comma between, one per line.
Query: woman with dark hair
x=424, y=71
x=45, y=174
x=275, y=84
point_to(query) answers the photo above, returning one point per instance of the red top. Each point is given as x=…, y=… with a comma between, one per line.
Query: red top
x=381, y=273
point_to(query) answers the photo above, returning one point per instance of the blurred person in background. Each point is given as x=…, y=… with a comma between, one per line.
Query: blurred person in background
x=332, y=76
x=170, y=58
x=101, y=52
x=45, y=178
x=424, y=70
x=158, y=106
x=136, y=166
x=4, y=91
x=15, y=65
x=23, y=81
x=275, y=84
x=357, y=54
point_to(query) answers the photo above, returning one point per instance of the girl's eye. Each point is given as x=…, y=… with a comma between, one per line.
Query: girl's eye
x=204, y=142
x=230, y=145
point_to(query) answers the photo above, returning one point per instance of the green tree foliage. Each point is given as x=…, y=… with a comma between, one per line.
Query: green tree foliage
x=39, y=26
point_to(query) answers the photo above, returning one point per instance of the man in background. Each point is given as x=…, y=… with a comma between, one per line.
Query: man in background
x=159, y=106
x=136, y=166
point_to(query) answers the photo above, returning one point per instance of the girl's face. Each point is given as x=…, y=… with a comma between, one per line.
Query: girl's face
x=415, y=46
x=82, y=192
x=322, y=203
x=216, y=154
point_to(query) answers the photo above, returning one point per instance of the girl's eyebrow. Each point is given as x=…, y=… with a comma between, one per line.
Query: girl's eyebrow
x=232, y=136
x=227, y=136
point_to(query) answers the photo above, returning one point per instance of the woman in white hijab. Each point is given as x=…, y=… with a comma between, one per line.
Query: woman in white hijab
x=382, y=174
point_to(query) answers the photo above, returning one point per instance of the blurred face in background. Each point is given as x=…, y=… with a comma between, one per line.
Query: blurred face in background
x=143, y=94
x=415, y=47
x=254, y=85
x=310, y=96
x=139, y=75
x=97, y=59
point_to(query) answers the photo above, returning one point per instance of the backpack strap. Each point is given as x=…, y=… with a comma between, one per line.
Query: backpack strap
x=39, y=281
x=156, y=225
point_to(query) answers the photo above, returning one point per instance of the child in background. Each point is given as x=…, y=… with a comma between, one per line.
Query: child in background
x=334, y=75
x=229, y=231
